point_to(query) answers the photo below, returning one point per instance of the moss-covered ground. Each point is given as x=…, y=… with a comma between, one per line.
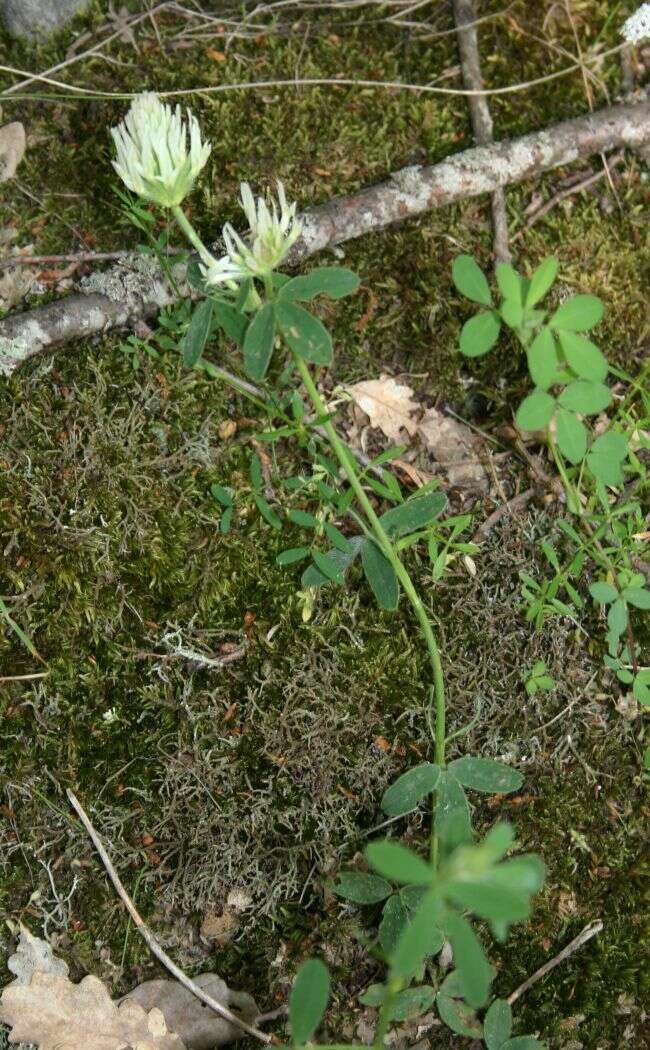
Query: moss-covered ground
x=266, y=774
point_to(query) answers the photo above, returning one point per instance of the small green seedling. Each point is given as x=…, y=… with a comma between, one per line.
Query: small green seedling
x=538, y=679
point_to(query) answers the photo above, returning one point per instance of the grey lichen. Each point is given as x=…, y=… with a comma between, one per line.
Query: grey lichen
x=138, y=278
x=409, y=179
x=12, y=353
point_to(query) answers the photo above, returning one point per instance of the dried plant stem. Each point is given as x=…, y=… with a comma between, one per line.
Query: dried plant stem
x=522, y=499
x=80, y=92
x=589, y=931
x=465, y=18
x=149, y=938
x=577, y=187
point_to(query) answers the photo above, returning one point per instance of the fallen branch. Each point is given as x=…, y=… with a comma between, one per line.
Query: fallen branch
x=151, y=941
x=589, y=931
x=122, y=295
x=465, y=18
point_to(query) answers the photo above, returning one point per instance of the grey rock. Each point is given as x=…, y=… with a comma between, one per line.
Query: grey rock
x=186, y=1016
x=34, y=19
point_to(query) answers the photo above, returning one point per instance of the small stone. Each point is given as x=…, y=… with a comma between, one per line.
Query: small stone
x=227, y=429
x=239, y=900
x=38, y=18
x=219, y=928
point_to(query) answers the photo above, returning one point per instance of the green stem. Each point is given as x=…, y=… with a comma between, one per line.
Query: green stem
x=573, y=499
x=383, y=541
x=392, y=988
x=191, y=234
x=598, y=552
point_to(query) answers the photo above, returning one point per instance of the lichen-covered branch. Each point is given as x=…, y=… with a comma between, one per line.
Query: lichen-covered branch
x=465, y=18
x=123, y=294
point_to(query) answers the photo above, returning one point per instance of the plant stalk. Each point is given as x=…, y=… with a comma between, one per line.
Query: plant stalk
x=387, y=548
x=191, y=234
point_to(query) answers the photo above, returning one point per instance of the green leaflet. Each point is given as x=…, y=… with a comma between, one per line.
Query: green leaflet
x=414, y=785
x=304, y=333
x=380, y=575
x=470, y=280
x=362, y=888
x=480, y=333
x=308, y=1000
x=258, y=343
x=333, y=281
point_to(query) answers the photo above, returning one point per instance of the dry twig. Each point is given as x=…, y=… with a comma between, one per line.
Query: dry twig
x=522, y=499
x=76, y=257
x=465, y=18
x=589, y=931
x=561, y=195
x=151, y=941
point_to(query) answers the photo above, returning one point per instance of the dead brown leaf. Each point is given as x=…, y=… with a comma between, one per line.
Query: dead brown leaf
x=388, y=404
x=12, y=149
x=55, y=1014
x=454, y=447
x=15, y=283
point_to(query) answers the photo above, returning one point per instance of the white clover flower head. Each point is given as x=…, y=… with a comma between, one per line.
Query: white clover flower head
x=159, y=155
x=273, y=229
x=637, y=27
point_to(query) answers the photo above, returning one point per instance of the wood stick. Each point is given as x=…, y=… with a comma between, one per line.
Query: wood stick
x=589, y=931
x=76, y=257
x=465, y=18
x=151, y=941
x=128, y=295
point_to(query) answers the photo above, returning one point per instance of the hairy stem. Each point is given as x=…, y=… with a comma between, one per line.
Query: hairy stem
x=387, y=548
x=191, y=234
x=392, y=988
x=598, y=552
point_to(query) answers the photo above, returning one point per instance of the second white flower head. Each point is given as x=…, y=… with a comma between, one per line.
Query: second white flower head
x=159, y=155
x=637, y=27
x=274, y=228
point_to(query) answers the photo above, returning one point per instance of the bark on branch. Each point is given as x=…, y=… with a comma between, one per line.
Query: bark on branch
x=124, y=294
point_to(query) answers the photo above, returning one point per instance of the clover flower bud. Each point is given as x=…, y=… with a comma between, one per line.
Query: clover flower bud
x=637, y=27
x=273, y=231
x=159, y=155
x=221, y=271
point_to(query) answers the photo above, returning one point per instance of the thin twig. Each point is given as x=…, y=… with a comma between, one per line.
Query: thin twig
x=214, y=89
x=194, y=656
x=589, y=931
x=151, y=941
x=516, y=503
x=78, y=257
x=561, y=195
x=465, y=18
